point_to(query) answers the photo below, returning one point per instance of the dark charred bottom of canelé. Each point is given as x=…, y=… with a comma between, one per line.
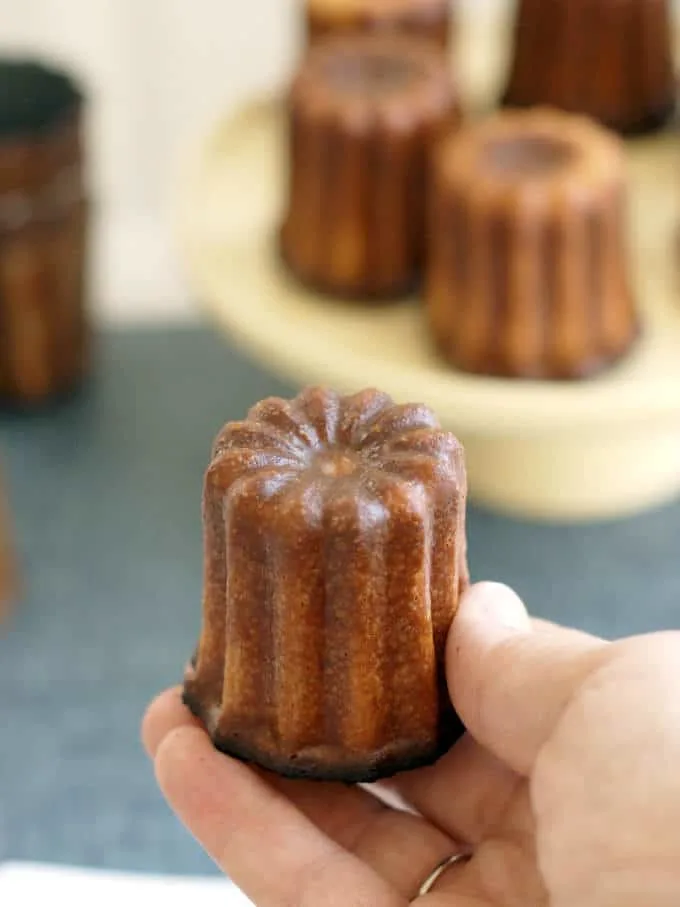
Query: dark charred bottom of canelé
x=354, y=294
x=588, y=369
x=654, y=120
x=348, y=771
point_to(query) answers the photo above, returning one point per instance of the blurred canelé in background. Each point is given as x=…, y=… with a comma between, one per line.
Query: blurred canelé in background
x=525, y=255
x=365, y=112
x=430, y=19
x=528, y=267
x=609, y=59
x=43, y=233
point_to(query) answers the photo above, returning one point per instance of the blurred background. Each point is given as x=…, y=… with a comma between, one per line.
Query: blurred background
x=101, y=495
x=157, y=73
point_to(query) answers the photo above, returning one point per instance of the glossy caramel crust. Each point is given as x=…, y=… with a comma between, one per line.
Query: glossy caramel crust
x=44, y=216
x=358, y=163
x=608, y=59
x=428, y=19
x=335, y=556
x=528, y=273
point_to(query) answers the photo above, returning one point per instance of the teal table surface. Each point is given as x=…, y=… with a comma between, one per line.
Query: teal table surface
x=105, y=497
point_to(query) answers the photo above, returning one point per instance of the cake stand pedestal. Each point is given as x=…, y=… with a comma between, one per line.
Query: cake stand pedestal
x=597, y=449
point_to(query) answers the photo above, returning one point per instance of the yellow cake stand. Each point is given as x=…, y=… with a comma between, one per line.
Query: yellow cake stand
x=600, y=449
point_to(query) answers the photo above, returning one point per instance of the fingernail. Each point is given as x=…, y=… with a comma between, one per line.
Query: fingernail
x=496, y=604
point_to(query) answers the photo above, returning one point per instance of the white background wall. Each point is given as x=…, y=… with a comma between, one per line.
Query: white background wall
x=157, y=73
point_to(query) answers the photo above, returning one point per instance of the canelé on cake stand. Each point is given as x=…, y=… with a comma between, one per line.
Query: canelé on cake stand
x=528, y=273
x=335, y=556
x=556, y=450
x=608, y=59
x=364, y=114
x=429, y=19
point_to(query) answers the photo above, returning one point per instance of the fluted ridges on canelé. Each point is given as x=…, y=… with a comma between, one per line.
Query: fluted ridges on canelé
x=528, y=274
x=609, y=59
x=428, y=19
x=335, y=556
x=363, y=115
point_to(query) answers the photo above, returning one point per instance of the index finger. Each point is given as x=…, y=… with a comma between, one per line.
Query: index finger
x=255, y=834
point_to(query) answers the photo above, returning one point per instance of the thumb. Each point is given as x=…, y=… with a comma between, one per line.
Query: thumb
x=511, y=680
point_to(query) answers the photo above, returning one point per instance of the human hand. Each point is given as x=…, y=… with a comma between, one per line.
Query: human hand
x=566, y=789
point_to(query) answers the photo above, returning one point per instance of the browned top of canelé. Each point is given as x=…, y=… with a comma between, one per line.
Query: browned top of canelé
x=382, y=8
x=364, y=75
x=539, y=149
x=363, y=448
x=40, y=111
x=342, y=11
